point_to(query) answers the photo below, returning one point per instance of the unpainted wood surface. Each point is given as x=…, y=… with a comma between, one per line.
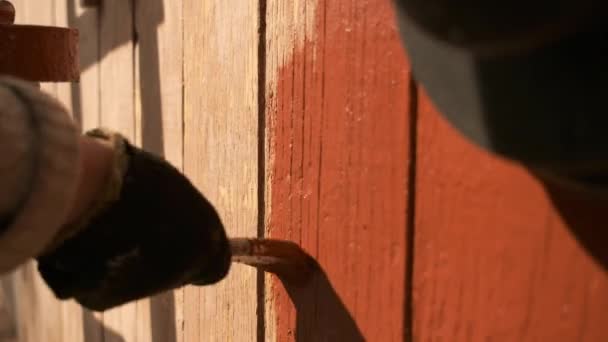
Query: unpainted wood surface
x=312, y=98
x=8, y=327
x=117, y=112
x=159, y=129
x=494, y=259
x=40, y=318
x=132, y=82
x=289, y=25
x=82, y=101
x=221, y=149
x=82, y=98
x=337, y=128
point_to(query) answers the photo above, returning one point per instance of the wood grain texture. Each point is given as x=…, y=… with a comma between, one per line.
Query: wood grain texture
x=43, y=15
x=498, y=255
x=337, y=159
x=221, y=152
x=159, y=120
x=82, y=100
x=38, y=314
x=117, y=112
x=494, y=260
x=8, y=320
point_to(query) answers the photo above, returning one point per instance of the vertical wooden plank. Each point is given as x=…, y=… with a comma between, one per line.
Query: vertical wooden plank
x=221, y=152
x=38, y=312
x=117, y=112
x=337, y=101
x=494, y=260
x=159, y=114
x=8, y=320
x=82, y=97
x=82, y=100
x=41, y=14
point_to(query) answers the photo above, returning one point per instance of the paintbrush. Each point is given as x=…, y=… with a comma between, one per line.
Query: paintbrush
x=283, y=258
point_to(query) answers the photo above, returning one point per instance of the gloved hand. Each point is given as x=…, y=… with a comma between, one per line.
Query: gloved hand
x=149, y=231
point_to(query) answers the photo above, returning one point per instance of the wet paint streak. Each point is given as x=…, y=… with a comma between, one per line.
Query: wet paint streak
x=338, y=157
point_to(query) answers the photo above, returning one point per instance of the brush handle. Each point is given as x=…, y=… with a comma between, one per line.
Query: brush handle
x=283, y=258
x=258, y=252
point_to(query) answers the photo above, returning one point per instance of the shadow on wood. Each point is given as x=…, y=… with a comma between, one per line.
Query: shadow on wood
x=93, y=327
x=584, y=215
x=320, y=313
x=8, y=327
x=144, y=35
x=89, y=51
x=91, y=16
x=147, y=19
x=162, y=318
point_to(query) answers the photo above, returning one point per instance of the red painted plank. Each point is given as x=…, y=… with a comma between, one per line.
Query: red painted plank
x=338, y=154
x=494, y=260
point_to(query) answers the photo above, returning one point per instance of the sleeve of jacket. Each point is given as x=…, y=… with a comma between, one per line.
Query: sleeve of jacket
x=39, y=165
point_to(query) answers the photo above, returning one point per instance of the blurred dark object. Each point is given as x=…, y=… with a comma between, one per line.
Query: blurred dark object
x=497, y=26
x=158, y=234
x=7, y=13
x=526, y=80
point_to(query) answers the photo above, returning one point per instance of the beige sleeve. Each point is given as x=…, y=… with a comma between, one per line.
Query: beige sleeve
x=39, y=164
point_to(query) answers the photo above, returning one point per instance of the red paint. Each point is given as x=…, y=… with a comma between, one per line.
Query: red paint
x=494, y=258
x=339, y=147
x=498, y=255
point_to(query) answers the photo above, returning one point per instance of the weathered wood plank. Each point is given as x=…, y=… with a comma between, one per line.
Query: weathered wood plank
x=37, y=311
x=221, y=152
x=159, y=120
x=8, y=320
x=494, y=260
x=39, y=314
x=337, y=101
x=117, y=112
x=82, y=100
x=41, y=14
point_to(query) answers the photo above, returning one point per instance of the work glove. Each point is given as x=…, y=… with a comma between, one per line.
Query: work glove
x=149, y=231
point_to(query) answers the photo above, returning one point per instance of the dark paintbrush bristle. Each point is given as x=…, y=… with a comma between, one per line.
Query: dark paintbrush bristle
x=283, y=258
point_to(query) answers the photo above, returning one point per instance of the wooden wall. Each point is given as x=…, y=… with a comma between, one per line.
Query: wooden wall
x=301, y=120
x=337, y=166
